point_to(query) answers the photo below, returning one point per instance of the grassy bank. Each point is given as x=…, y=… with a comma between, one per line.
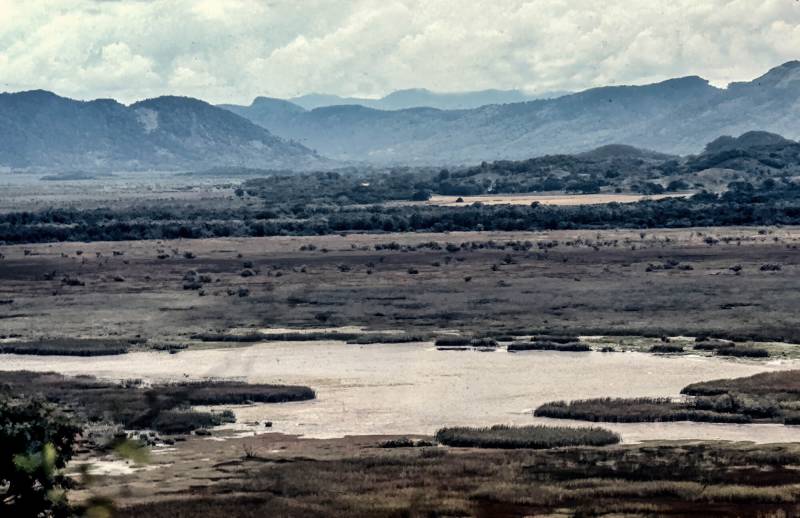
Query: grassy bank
x=653, y=480
x=67, y=347
x=163, y=407
x=769, y=397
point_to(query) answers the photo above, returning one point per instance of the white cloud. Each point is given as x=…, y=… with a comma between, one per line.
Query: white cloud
x=234, y=50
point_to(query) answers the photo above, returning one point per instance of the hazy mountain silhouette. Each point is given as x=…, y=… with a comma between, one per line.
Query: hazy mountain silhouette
x=676, y=116
x=39, y=129
x=423, y=98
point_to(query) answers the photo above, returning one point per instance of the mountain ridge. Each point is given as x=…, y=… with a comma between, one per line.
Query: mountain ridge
x=675, y=116
x=42, y=130
x=423, y=98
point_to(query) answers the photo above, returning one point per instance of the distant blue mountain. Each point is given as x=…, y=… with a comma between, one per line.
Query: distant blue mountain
x=422, y=98
x=40, y=130
x=676, y=116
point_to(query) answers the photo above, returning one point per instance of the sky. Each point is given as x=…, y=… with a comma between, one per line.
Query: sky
x=234, y=50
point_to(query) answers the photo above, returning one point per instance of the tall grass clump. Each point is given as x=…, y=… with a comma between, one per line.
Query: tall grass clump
x=453, y=341
x=549, y=346
x=743, y=352
x=536, y=437
x=666, y=349
x=67, y=347
x=562, y=339
x=634, y=410
x=234, y=392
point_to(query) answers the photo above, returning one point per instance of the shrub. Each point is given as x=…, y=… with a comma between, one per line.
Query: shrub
x=37, y=442
x=538, y=437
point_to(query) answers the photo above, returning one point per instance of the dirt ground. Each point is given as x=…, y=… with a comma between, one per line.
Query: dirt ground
x=584, y=281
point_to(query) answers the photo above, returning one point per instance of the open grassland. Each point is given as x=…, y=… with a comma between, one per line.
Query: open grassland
x=630, y=284
x=269, y=475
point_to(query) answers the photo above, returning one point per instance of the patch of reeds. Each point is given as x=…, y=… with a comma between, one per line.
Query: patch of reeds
x=536, y=437
x=743, y=352
x=67, y=347
x=549, y=346
x=666, y=349
x=634, y=410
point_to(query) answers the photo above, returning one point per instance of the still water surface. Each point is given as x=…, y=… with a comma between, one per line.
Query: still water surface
x=415, y=389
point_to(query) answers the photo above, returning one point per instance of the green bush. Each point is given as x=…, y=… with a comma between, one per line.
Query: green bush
x=37, y=442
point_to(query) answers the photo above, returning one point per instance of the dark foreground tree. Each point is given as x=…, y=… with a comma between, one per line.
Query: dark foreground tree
x=36, y=441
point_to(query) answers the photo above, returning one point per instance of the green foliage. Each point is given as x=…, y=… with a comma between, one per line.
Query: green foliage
x=37, y=442
x=772, y=203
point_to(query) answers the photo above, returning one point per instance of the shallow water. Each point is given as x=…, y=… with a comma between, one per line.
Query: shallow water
x=415, y=389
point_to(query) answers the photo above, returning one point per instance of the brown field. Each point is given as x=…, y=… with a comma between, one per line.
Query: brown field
x=591, y=282
x=664, y=282
x=275, y=474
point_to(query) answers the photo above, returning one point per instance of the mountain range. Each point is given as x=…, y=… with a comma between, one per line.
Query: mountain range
x=41, y=130
x=423, y=98
x=677, y=116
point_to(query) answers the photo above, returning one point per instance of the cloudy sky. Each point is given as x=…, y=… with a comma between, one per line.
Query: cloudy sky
x=233, y=50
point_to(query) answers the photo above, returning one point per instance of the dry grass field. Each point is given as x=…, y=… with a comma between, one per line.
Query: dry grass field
x=673, y=282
